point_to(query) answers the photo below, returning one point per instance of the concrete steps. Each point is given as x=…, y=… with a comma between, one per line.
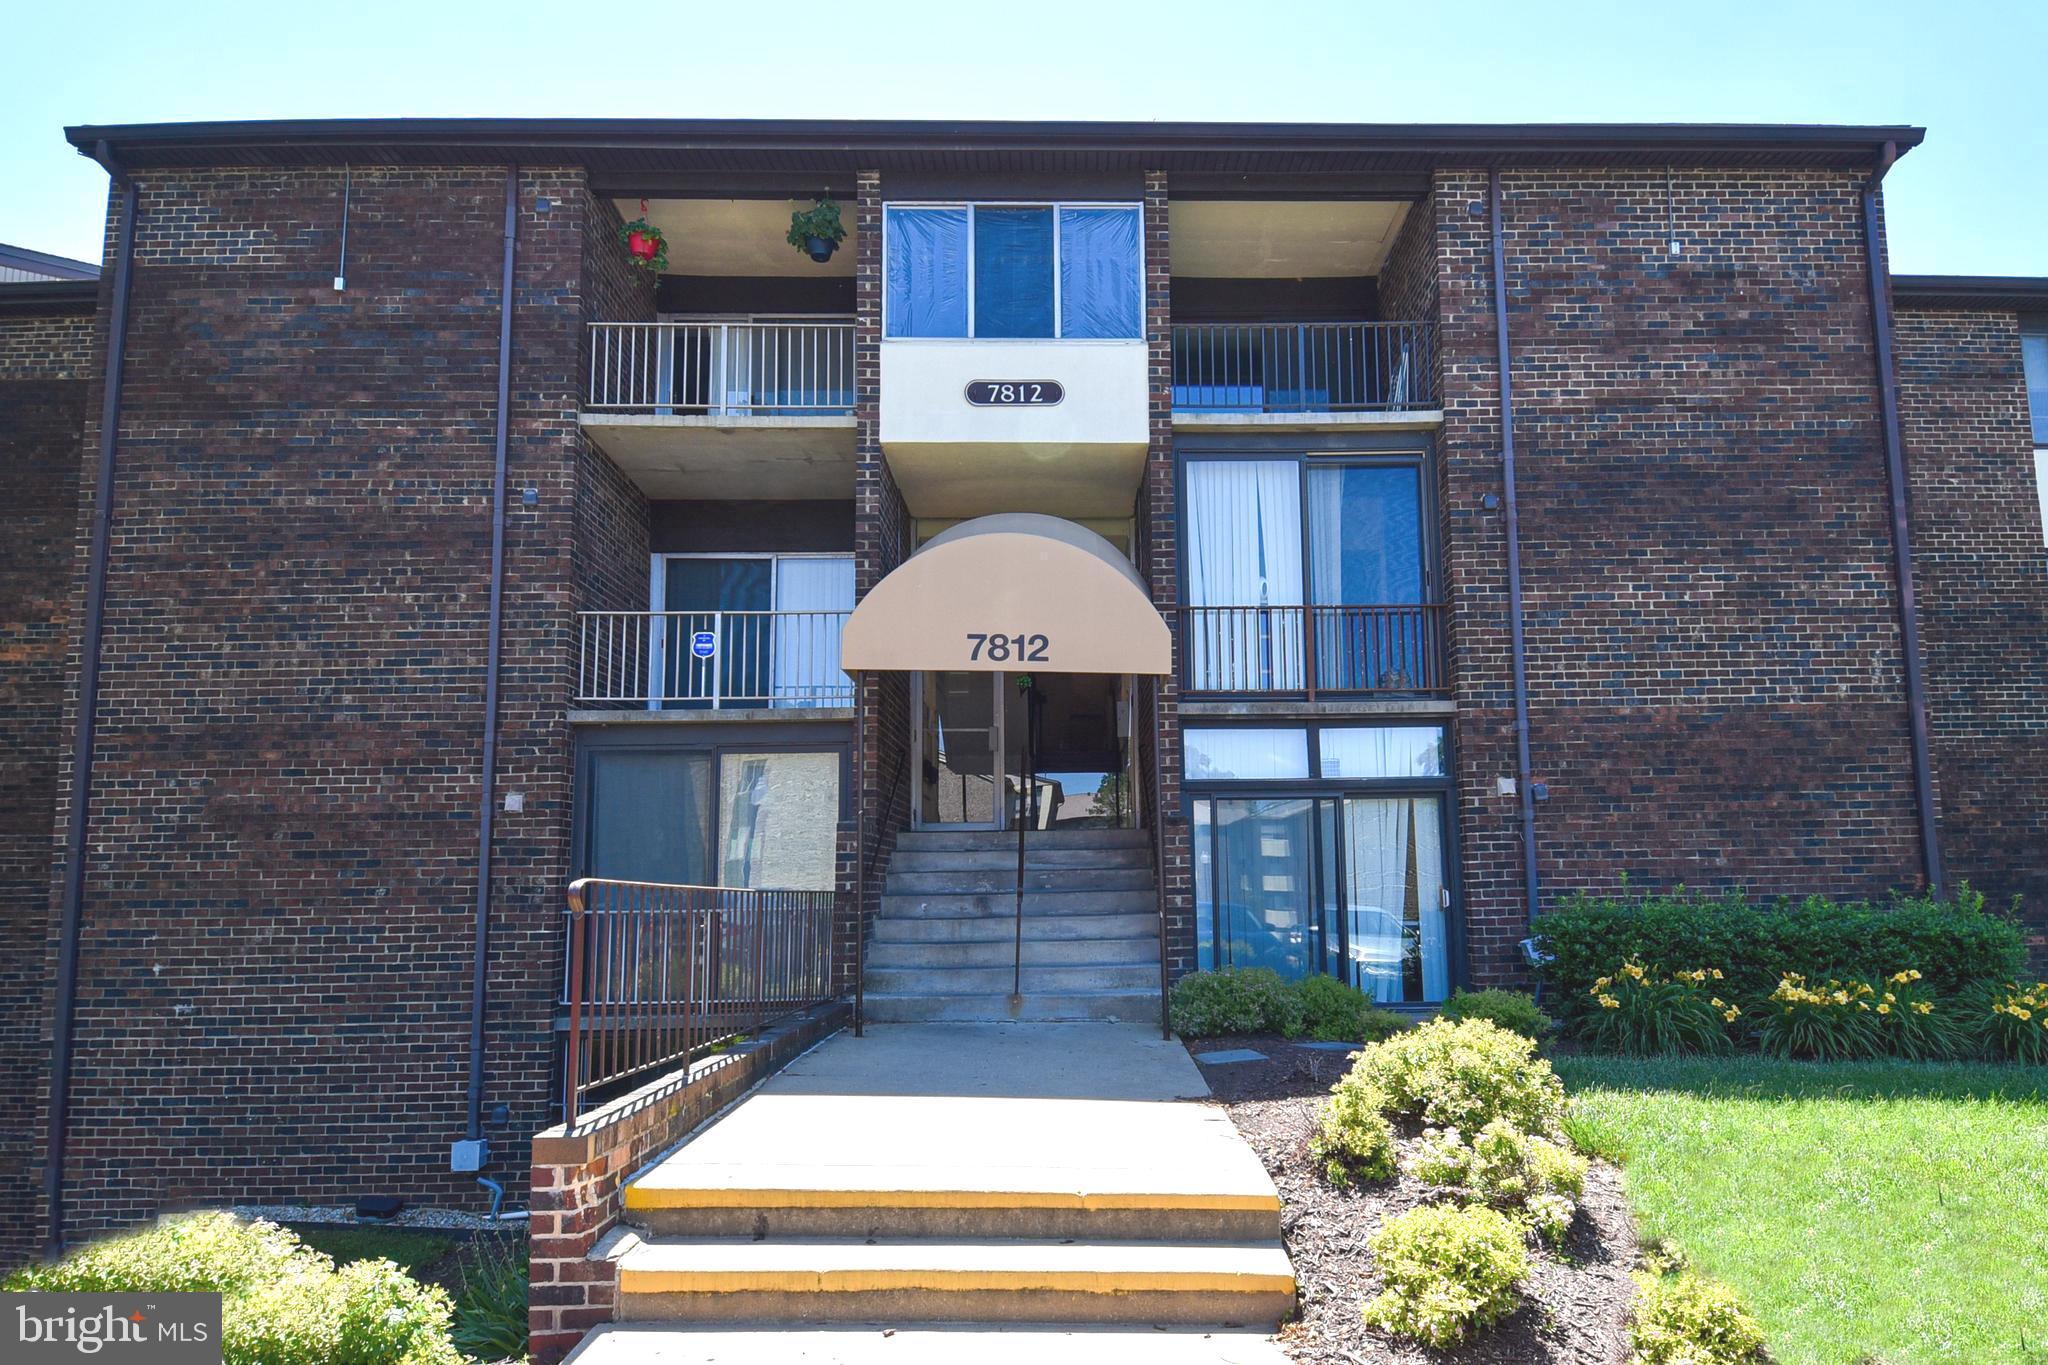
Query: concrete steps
x=944, y=943
x=1007, y=1343
x=994, y=1280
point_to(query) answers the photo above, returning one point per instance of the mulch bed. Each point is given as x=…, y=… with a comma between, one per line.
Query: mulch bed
x=1577, y=1298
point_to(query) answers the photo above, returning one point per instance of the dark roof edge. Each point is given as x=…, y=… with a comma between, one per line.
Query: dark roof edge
x=63, y=267
x=2020, y=293
x=852, y=136
x=48, y=298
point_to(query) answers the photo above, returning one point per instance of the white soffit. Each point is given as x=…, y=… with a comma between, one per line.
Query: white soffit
x=737, y=236
x=1282, y=239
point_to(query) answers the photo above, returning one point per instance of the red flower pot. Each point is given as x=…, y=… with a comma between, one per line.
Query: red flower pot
x=642, y=245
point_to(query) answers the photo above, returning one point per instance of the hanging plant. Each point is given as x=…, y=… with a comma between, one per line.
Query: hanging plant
x=817, y=231
x=645, y=246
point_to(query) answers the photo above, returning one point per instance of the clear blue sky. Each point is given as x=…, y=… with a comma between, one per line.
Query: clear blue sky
x=1972, y=200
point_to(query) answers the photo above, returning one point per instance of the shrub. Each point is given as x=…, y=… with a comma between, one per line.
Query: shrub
x=1954, y=943
x=1534, y=1180
x=281, y=1303
x=490, y=1302
x=1645, y=1013
x=1685, y=1319
x=1234, y=1000
x=1513, y=1010
x=1463, y=1076
x=2011, y=1021
x=1353, y=1139
x=1911, y=1023
x=1827, y=1023
x=1448, y=1269
x=1332, y=1012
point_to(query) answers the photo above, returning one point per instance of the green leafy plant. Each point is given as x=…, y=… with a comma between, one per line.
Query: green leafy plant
x=1955, y=943
x=1332, y=1012
x=820, y=220
x=1686, y=1319
x=490, y=1302
x=1644, y=1012
x=653, y=262
x=2011, y=1021
x=1532, y=1179
x=1448, y=1269
x=1234, y=1000
x=1512, y=1010
x=1353, y=1140
x=1911, y=1023
x=281, y=1303
x=1830, y=1022
x=1464, y=1076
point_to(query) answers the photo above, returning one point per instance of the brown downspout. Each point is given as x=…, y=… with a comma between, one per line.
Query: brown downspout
x=1525, y=785
x=480, y=952
x=72, y=912
x=1902, y=534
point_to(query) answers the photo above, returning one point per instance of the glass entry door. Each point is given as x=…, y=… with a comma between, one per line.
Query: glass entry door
x=962, y=775
x=1349, y=885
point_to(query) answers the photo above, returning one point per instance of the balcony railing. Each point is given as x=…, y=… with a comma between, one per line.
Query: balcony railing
x=713, y=660
x=1302, y=367
x=722, y=369
x=656, y=975
x=1305, y=651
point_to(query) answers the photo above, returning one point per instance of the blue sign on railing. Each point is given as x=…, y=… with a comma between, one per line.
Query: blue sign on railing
x=704, y=644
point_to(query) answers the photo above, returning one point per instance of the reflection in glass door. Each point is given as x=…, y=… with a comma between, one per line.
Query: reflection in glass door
x=1393, y=897
x=1353, y=886
x=960, y=751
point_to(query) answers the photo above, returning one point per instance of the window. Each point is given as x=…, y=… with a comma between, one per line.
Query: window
x=1266, y=583
x=706, y=816
x=1346, y=874
x=1014, y=271
x=774, y=621
x=2034, y=350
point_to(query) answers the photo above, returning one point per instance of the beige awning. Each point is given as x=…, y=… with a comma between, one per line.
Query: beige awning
x=964, y=600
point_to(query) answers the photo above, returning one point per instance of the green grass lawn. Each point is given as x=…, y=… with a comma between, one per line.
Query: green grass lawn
x=1892, y=1212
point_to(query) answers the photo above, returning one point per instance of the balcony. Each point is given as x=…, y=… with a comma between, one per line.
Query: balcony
x=725, y=409
x=710, y=660
x=1312, y=651
x=1270, y=372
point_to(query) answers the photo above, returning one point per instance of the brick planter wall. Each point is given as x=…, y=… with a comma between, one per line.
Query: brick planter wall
x=579, y=1176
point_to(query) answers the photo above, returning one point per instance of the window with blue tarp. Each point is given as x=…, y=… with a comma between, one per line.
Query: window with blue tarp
x=926, y=291
x=1001, y=271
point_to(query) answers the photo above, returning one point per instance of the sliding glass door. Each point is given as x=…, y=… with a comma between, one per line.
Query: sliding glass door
x=1391, y=878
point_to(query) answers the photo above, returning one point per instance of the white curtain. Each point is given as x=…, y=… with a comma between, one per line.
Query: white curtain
x=1244, y=552
x=806, y=648
x=1380, y=835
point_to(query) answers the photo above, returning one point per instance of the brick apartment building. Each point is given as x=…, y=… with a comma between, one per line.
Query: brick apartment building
x=377, y=599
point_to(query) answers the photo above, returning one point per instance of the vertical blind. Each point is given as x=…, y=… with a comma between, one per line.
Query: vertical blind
x=1025, y=270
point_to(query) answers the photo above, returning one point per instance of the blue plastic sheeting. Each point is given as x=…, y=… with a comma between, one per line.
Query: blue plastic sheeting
x=1013, y=272
x=1099, y=284
x=927, y=272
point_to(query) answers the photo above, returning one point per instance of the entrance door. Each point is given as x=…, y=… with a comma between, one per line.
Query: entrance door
x=960, y=751
x=1394, y=898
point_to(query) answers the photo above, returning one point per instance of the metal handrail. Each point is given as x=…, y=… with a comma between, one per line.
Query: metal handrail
x=658, y=974
x=1261, y=367
x=1390, y=648
x=722, y=369
x=767, y=659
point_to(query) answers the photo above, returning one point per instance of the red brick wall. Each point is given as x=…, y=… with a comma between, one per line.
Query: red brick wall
x=611, y=512
x=1982, y=575
x=45, y=368
x=881, y=541
x=1714, y=659
x=274, y=991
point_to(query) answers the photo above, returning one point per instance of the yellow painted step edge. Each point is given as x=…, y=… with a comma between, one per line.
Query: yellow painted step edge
x=677, y=1197
x=851, y=1281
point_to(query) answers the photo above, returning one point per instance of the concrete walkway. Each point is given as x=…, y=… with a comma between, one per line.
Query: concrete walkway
x=1039, y=1115
x=953, y=1192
